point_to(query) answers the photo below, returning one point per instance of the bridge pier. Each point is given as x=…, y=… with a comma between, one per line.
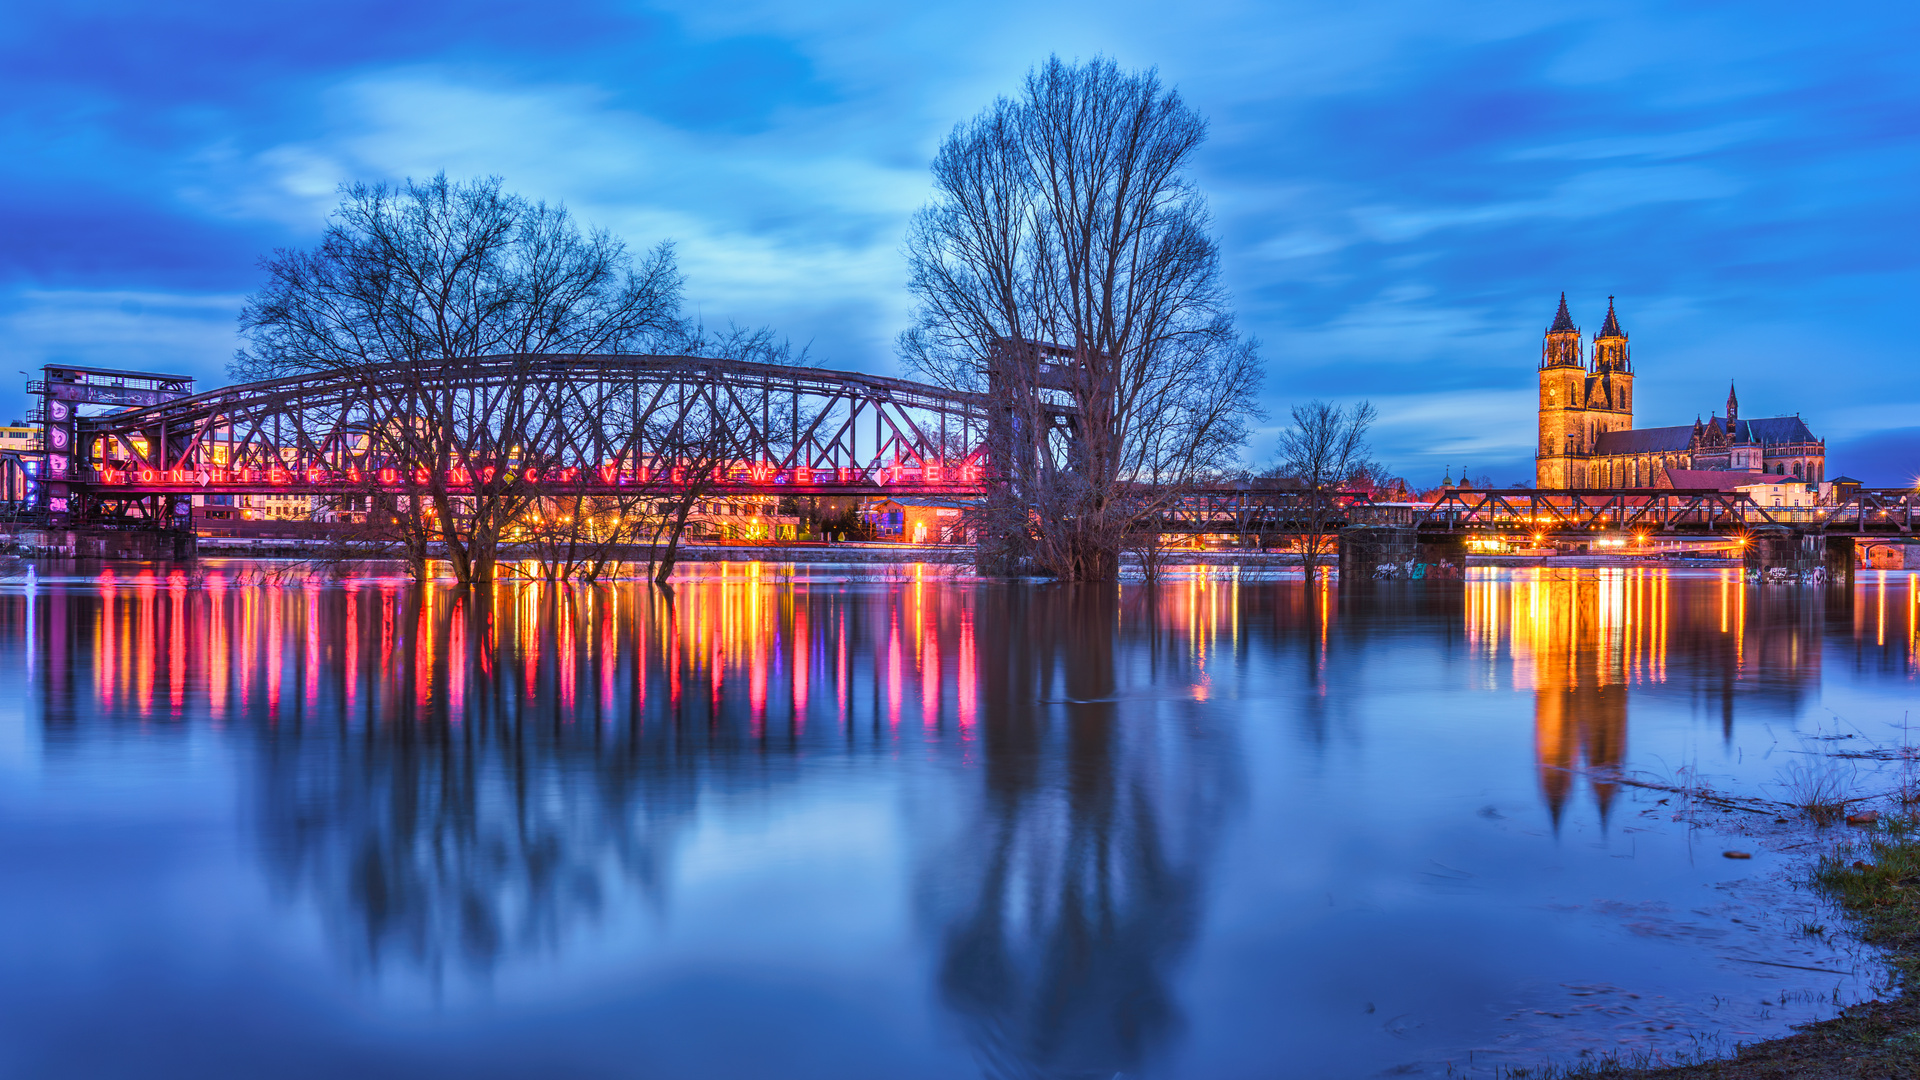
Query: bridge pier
x=1779, y=555
x=1369, y=551
x=1399, y=551
x=1442, y=555
x=1840, y=558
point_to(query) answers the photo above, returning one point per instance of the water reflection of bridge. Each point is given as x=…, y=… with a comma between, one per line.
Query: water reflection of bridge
x=454, y=779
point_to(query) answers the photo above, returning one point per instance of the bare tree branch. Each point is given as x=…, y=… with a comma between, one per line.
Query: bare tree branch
x=1065, y=266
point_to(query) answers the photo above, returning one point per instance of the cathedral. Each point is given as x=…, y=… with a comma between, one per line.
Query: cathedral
x=1587, y=437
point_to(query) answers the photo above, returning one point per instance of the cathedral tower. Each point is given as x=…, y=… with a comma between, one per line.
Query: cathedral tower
x=1578, y=404
x=1610, y=388
x=1563, y=377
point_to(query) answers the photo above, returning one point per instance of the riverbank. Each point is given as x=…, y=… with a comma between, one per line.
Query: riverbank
x=1875, y=882
x=1873, y=1040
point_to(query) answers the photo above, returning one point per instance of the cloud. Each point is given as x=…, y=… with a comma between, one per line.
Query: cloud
x=1402, y=189
x=185, y=334
x=769, y=225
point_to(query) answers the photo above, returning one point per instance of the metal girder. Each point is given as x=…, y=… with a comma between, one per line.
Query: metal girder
x=1869, y=511
x=331, y=432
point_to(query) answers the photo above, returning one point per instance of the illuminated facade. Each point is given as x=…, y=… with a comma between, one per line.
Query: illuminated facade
x=1587, y=437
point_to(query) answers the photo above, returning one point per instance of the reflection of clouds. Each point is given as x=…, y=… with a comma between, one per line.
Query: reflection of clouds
x=454, y=783
x=1072, y=894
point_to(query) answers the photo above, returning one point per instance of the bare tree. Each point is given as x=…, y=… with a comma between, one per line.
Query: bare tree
x=1325, y=449
x=1065, y=267
x=582, y=534
x=706, y=443
x=413, y=280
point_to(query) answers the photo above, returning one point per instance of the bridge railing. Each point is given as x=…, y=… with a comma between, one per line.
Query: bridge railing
x=1869, y=510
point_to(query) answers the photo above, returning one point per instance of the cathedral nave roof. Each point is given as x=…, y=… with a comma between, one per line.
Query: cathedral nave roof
x=1770, y=431
x=1654, y=440
x=1775, y=430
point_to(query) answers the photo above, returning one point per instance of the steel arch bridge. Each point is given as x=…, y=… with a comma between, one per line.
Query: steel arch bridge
x=615, y=423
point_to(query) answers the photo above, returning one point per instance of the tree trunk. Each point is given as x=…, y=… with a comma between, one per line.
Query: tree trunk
x=673, y=541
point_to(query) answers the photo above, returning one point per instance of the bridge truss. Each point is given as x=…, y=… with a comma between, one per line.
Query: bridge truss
x=1866, y=511
x=601, y=424
x=573, y=423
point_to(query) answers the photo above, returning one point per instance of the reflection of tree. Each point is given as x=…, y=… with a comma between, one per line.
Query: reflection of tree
x=433, y=839
x=1075, y=889
x=499, y=781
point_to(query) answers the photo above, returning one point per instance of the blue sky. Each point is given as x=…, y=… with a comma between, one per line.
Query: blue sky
x=1402, y=189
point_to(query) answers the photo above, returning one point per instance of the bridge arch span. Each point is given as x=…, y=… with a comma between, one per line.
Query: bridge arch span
x=585, y=420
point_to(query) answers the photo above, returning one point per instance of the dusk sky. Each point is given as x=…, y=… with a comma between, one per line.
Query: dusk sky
x=1402, y=190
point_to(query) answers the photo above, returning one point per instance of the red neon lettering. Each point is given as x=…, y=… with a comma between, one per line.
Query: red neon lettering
x=532, y=473
x=316, y=475
x=421, y=476
x=459, y=477
x=641, y=475
x=930, y=472
x=146, y=476
x=803, y=476
x=679, y=475
x=390, y=476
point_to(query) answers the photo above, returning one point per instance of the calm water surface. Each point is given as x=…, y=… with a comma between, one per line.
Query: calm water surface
x=827, y=822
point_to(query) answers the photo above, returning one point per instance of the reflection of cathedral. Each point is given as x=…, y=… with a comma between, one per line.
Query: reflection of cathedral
x=1584, y=644
x=1587, y=437
x=1576, y=643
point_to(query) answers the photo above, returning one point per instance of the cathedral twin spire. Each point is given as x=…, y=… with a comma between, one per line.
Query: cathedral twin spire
x=1562, y=347
x=1611, y=328
x=1563, y=322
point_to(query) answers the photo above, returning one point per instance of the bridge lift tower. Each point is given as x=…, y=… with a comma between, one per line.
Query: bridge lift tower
x=66, y=481
x=1030, y=394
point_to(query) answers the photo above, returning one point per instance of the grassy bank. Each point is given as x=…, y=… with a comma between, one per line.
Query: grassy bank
x=1876, y=881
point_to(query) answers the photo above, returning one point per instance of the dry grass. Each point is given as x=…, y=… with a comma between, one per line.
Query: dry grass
x=1819, y=788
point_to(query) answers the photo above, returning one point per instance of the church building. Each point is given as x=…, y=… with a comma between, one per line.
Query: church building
x=1587, y=437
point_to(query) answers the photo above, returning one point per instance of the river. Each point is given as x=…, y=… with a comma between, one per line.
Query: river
x=838, y=821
